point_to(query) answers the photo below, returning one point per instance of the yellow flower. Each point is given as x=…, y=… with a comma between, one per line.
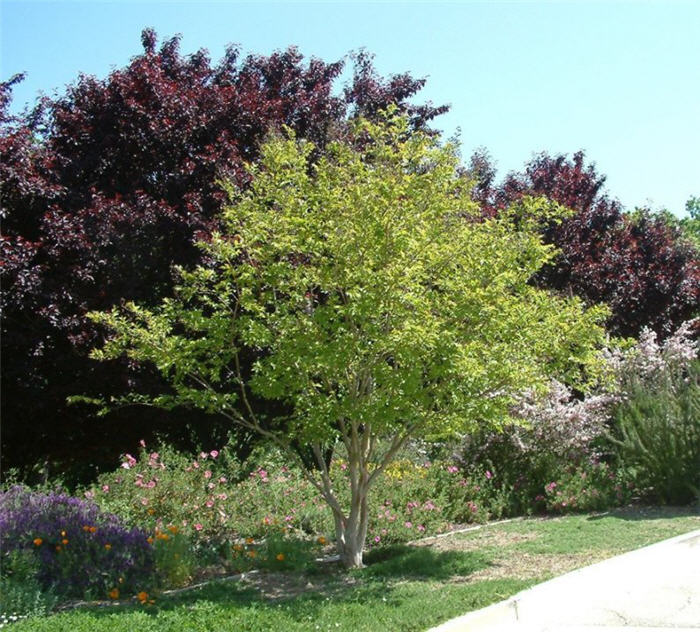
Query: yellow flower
x=151, y=511
x=280, y=557
x=162, y=536
x=65, y=541
x=38, y=541
x=58, y=549
x=249, y=540
x=114, y=593
x=322, y=540
x=93, y=529
x=86, y=528
x=173, y=529
x=142, y=596
x=108, y=546
x=237, y=547
x=63, y=534
x=252, y=553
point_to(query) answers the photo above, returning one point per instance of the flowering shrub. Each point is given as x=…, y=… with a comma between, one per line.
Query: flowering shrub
x=80, y=550
x=211, y=497
x=560, y=424
x=649, y=362
x=590, y=487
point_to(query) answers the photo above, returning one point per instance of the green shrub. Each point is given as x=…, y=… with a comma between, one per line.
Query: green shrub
x=657, y=434
x=21, y=594
x=175, y=557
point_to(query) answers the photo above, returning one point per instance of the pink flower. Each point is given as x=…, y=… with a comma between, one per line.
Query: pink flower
x=343, y=466
x=408, y=524
x=214, y=454
x=203, y=456
x=151, y=484
x=105, y=488
x=489, y=475
x=223, y=479
x=89, y=494
x=195, y=465
x=211, y=485
x=420, y=528
x=452, y=469
x=198, y=526
x=288, y=518
x=142, y=443
x=209, y=503
x=144, y=501
x=207, y=474
x=222, y=496
x=154, y=456
x=377, y=539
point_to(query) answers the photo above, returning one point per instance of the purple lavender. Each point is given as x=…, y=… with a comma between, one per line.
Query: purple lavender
x=82, y=551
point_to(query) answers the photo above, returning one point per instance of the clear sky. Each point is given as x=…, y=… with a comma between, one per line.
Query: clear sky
x=620, y=80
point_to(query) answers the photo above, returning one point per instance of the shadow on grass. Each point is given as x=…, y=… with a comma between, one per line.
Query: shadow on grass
x=650, y=512
x=347, y=590
x=403, y=561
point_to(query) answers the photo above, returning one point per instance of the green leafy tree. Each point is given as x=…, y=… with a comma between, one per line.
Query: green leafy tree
x=381, y=306
x=691, y=225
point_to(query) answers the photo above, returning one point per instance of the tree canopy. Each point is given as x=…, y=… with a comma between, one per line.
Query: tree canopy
x=107, y=186
x=381, y=305
x=636, y=263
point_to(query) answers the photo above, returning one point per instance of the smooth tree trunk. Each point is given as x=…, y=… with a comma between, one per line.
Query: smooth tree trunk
x=351, y=530
x=364, y=466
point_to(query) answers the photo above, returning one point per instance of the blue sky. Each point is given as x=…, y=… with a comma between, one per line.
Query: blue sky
x=620, y=80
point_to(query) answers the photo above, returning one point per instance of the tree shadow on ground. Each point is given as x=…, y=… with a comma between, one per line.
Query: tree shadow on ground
x=402, y=561
x=383, y=578
x=650, y=512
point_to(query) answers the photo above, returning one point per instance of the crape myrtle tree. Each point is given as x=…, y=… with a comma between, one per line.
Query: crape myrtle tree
x=108, y=186
x=383, y=308
x=636, y=263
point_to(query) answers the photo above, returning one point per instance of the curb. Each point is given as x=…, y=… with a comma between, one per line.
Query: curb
x=504, y=615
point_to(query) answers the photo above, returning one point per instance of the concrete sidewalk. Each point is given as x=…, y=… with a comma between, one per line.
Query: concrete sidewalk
x=651, y=589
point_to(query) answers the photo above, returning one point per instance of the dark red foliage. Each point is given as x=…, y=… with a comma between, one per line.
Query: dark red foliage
x=637, y=264
x=108, y=187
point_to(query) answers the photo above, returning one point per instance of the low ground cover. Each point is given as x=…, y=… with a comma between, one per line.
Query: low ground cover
x=403, y=587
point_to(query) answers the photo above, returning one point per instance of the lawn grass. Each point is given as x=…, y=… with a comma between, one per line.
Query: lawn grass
x=402, y=587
